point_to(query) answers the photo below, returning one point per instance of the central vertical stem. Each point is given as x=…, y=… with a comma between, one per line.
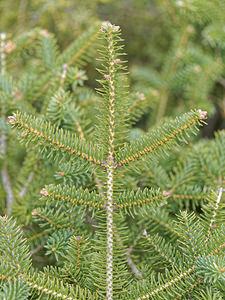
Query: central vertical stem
x=109, y=219
x=110, y=170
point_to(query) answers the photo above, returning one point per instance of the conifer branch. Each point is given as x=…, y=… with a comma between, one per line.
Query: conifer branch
x=40, y=234
x=35, y=213
x=166, y=226
x=212, y=268
x=187, y=291
x=17, y=253
x=169, y=284
x=73, y=195
x=160, y=140
x=83, y=197
x=109, y=30
x=56, y=139
x=216, y=242
x=216, y=251
x=53, y=287
x=109, y=215
x=160, y=246
x=139, y=198
x=191, y=232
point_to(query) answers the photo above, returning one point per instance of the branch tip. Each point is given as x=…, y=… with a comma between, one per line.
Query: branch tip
x=34, y=212
x=166, y=194
x=202, y=114
x=107, y=26
x=145, y=233
x=11, y=120
x=44, y=192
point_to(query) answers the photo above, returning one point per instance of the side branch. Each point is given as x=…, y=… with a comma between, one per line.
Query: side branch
x=56, y=139
x=77, y=197
x=156, y=141
x=81, y=197
x=53, y=287
x=168, y=285
x=140, y=198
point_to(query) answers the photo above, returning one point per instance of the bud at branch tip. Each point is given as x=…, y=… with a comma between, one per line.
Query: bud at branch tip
x=202, y=114
x=44, y=192
x=11, y=120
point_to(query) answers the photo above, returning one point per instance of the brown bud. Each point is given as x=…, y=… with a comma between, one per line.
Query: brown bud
x=202, y=114
x=61, y=173
x=166, y=194
x=44, y=192
x=11, y=120
x=105, y=25
x=34, y=212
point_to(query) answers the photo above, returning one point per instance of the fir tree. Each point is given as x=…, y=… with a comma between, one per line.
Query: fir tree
x=129, y=247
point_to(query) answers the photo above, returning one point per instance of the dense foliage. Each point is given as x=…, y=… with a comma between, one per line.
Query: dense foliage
x=111, y=191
